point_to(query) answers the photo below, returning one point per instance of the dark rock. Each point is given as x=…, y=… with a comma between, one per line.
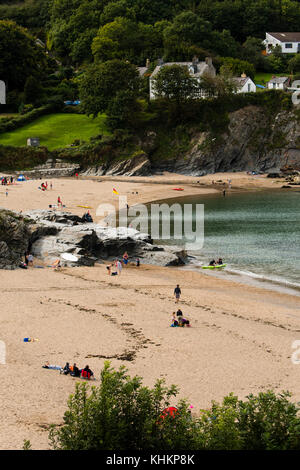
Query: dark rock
x=14, y=239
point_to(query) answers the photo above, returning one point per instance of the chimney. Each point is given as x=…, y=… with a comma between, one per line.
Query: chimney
x=160, y=61
x=208, y=60
x=244, y=75
x=147, y=63
x=195, y=60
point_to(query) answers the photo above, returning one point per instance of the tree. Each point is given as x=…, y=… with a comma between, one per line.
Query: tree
x=122, y=414
x=187, y=30
x=294, y=64
x=32, y=90
x=174, y=83
x=101, y=83
x=20, y=57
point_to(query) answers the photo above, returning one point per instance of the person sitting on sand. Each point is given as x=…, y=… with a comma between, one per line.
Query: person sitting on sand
x=179, y=313
x=75, y=371
x=183, y=322
x=87, y=372
x=66, y=369
x=174, y=321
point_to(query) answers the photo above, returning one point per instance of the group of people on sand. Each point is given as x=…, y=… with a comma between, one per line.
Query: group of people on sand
x=6, y=180
x=216, y=263
x=115, y=268
x=44, y=186
x=179, y=320
x=73, y=370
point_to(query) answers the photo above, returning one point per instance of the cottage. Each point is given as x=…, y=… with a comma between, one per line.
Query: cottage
x=197, y=70
x=288, y=42
x=278, y=83
x=2, y=92
x=244, y=84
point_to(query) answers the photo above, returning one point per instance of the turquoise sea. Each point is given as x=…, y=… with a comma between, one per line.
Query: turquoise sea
x=257, y=234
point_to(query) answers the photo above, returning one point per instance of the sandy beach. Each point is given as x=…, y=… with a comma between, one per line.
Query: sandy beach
x=240, y=340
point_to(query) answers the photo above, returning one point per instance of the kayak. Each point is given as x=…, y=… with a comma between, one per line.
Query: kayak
x=178, y=189
x=218, y=266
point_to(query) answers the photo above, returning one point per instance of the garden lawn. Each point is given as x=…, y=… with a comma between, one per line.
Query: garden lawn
x=57, y=130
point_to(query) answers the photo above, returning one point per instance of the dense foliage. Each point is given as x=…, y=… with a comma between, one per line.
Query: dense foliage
x=88, y=50
x=122, y=414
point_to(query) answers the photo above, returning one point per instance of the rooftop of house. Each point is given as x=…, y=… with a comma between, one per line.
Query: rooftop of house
x=142, y=71
x=196, y=68
x=240, y=81
x=286, y=37
x=278, y=80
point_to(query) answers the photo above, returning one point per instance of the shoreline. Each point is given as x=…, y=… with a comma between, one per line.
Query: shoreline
x=240, y=338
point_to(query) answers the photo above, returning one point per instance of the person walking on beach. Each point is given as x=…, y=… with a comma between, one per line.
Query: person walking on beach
x=177, y=293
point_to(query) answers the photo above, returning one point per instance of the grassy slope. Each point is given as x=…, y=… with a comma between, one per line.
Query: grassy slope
x=56, y=130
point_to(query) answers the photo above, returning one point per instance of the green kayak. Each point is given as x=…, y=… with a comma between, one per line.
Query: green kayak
x=218, y=266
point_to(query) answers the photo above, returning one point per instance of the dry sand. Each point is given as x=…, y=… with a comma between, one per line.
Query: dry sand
x=240, y=340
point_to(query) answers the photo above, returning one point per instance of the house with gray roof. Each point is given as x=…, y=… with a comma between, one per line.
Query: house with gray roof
x=288, y=42
x=197, y=70
x=278, y=83
x=244, y=84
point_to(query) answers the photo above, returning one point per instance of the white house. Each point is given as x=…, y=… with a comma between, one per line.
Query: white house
x=244, y=84
x=2, y=92
x=197, y=70
x=278, y=83
x=289, y=42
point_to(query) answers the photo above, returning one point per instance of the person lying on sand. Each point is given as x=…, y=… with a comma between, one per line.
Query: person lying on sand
x=47, y=365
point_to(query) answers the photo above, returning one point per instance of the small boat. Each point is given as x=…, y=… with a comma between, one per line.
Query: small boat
x=178, y=189
x=217, y=266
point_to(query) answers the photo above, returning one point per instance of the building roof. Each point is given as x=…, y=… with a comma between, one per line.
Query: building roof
x=286, y=37
x=142, y=71
x=240, y=81
x=278, y=80
x=201, y=67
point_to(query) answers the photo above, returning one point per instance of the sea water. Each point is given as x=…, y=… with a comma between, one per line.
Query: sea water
x=256, y=234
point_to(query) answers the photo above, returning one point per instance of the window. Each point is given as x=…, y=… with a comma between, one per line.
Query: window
x=288, y=45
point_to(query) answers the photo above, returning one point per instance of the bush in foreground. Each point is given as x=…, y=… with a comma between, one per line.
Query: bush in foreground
x=122, y=414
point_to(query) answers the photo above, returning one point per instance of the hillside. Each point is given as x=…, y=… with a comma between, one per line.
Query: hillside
x=56, y=130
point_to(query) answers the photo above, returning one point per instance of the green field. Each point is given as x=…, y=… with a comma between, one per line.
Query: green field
x=56, y=130
x=261, y=78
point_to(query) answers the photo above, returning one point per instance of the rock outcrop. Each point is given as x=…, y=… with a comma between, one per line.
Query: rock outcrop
x=50, y=234
x=138, y=165
x=14, y=239
x=252, y=142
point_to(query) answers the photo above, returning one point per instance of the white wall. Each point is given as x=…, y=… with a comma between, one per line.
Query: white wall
x=270, y=40
x=246, y=89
